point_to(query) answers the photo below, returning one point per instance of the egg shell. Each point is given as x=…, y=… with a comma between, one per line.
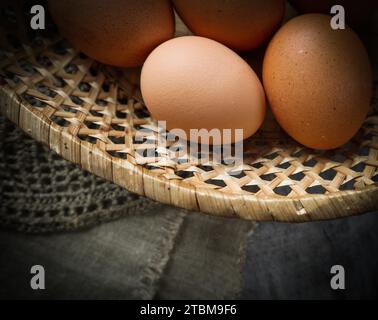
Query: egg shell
x=318, y=81
x=115, y=32
x=193, y=83
x=239, y=24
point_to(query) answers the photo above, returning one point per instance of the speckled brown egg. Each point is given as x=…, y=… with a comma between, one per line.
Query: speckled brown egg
x=318, y=81
x=239, y=24
x=115, y=32
x=196, y=83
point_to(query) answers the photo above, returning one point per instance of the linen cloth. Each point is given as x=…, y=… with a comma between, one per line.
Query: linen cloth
x=148, y=250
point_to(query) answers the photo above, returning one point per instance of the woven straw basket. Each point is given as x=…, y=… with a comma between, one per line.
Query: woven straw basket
x=89, y=113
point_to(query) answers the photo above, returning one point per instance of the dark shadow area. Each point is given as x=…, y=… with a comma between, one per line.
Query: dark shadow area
x=293, y=261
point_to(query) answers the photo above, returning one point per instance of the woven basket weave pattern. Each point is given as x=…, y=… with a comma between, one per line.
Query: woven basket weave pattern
x=89, y=114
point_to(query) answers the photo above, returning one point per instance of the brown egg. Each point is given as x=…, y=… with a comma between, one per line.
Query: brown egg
x=115, y=32
x=197, y=83
x=241, y=24
x=318, y=81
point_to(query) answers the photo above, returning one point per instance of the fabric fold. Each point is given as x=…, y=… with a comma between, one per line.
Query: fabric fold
x=146, y=250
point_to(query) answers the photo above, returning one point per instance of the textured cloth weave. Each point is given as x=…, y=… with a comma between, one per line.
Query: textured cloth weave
x=154, y=251
x=42, y=192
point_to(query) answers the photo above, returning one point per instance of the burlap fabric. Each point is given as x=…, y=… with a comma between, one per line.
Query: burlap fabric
x=151, y=251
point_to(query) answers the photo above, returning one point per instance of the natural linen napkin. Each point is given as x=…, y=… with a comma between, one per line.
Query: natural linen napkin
x=153, y=251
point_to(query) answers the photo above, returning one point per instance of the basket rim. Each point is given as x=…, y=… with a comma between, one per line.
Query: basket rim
x=179, y=193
